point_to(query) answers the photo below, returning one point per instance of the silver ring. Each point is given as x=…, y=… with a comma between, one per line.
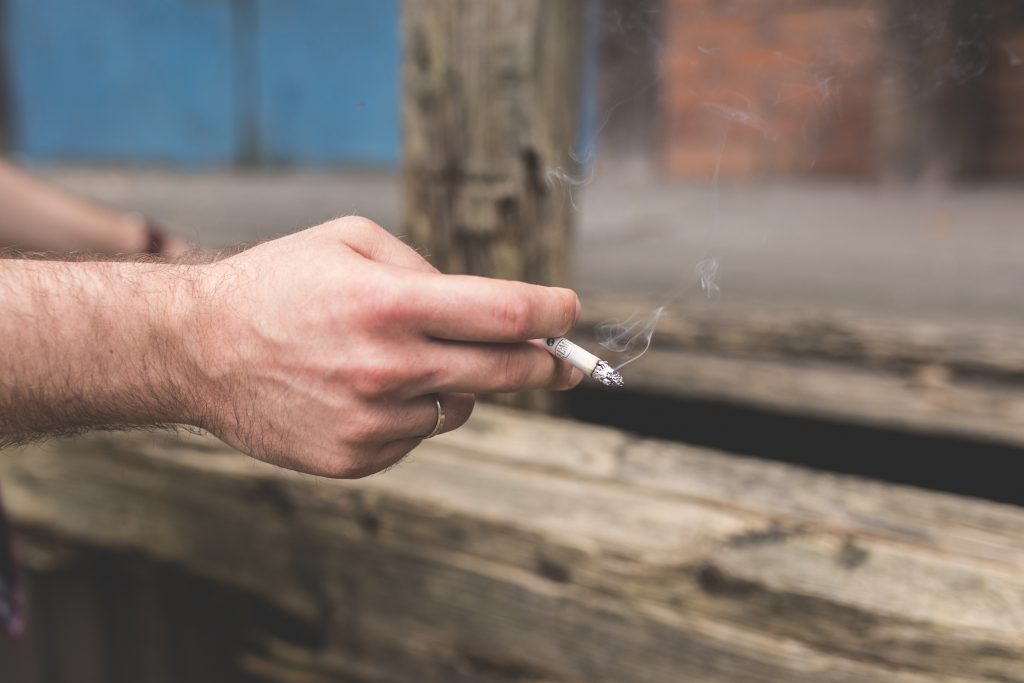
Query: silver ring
x=439, y=425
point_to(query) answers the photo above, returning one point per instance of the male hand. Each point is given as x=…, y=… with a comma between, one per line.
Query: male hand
x=322, y=351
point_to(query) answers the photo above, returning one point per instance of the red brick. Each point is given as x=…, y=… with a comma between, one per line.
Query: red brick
x=744, y=96
x=715, y=34
x=809, y=70
x=687, y=66
x=699, y=160
x=756, y=58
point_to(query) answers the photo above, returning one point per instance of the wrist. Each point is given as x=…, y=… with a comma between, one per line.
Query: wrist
x=184, y=362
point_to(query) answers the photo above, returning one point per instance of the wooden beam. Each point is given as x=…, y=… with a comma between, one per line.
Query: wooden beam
x=523, y=548
x=909, y=376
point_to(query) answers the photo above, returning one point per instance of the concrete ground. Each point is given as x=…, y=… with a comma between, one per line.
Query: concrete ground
x=948, y=257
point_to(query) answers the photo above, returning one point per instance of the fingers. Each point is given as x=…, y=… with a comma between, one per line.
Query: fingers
x=497, y=368
x=377, y=244
x=387, y=432
x=463, y=307
x=420, y=414
x=413, y=420
x=475, y=309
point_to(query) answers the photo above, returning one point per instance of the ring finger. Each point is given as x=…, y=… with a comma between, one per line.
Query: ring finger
x=421, y=414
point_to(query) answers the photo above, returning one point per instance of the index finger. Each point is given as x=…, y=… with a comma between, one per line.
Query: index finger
x=477, y=309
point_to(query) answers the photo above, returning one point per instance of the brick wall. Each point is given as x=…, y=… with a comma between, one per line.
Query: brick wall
x=759, y=88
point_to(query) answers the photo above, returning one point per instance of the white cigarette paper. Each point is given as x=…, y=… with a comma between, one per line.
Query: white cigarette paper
x=584, y=361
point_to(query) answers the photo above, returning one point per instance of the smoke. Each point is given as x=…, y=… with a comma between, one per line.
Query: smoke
x=572, y=183
x=631, y=337
x=743, y=117
x=707, y=275
x=586, y=162
x=785, y=101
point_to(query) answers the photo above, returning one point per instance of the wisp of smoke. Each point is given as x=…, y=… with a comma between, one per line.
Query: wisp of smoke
x=744, y=118
x=707, y=274
x=557, y=175
x=632, y=337
x=585, y=162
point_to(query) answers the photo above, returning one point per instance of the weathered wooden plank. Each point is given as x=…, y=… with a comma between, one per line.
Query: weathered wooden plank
x=530, y=549
x=906, y=376
x=898, y=346
x=781, y=493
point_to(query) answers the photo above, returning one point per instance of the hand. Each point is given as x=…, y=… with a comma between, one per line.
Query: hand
x=323, y=350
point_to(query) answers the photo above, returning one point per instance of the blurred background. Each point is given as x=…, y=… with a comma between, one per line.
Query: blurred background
x=809, y=210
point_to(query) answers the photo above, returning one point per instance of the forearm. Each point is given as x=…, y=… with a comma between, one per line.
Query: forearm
x=333, y=351
x=94, y=344
x=37, y=217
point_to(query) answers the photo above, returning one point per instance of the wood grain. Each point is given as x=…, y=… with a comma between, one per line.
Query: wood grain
x=523, y=548
x=910, y=376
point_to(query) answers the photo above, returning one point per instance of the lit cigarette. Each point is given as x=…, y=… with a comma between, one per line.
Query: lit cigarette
x=584, y=361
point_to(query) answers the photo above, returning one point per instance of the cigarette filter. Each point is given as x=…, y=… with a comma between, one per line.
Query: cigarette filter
x=584, y=361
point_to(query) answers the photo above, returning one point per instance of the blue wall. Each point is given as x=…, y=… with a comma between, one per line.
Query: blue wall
x=346, y=107
x=205, y=82
x=215, y=82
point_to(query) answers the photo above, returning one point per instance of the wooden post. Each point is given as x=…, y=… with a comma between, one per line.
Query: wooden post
x=490, y=111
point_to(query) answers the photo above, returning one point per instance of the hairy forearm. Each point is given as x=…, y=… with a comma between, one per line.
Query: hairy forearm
x=95, y=344
x=333, y=351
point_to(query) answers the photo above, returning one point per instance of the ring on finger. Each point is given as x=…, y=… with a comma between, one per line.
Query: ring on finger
x=439, y=424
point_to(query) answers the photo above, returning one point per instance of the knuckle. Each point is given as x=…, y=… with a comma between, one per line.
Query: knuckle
x=360, y=428
x=365, y=384
x=360, y=233
x=389, y=307
x=567, y=310
x=363, y=461
x=362, y=470
x=375, y=381
x=515, y=373
x=361, y=226
x=379, y=459
x=514, y=317
x=336, y=464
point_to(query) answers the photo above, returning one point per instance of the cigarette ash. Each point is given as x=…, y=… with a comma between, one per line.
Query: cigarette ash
x=606, y=375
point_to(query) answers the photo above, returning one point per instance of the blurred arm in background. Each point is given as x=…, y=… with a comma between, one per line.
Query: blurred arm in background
x=37, y=217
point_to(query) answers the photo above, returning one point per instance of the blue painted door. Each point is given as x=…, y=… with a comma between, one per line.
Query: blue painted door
x=204, y=82
x=122, y=80
x=329, y=80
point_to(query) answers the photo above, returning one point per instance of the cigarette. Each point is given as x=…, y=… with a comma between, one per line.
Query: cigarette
x=584, y=361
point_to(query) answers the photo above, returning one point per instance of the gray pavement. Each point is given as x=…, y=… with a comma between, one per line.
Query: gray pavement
x=944, y=256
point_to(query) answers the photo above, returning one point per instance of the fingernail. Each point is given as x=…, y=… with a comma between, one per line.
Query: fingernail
x=579, y=310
